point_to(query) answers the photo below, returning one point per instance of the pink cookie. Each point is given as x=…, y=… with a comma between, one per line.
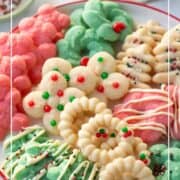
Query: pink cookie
x=40, y=31
x=174, y=93
x=147, y=112
x=48, y=13
x=20, y=76
x=19, y=120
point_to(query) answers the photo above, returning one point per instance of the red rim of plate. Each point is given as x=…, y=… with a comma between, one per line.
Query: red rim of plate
x=120, y=1
x=126, y=2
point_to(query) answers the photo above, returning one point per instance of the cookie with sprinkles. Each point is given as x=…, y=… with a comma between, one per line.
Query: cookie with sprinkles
x=56, y=64
x=48, y=100
x=167, y=66
x=104, y=138
x=155, y=30
x=83, y=78
x=137, y=66
x=77, y=113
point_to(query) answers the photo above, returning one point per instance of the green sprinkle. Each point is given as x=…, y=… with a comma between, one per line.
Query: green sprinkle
x=153, y=32
x=71, y=98
x=169, y=60
x=104, y=75
x=129, y=65
x=66, y=76
x=56, y=69
x=53, y=123
x=112, y=135
x=142, y=156
x=45, y=95
x=102, y=131
x=60, y=107
x=100, y=59
x=124, y=129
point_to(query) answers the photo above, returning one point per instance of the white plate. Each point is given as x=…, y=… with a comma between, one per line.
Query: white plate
x=140, y=13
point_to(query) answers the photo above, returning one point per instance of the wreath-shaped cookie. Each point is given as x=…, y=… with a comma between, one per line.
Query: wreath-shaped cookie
x=94, y=29
x=77, y=113
x=126, y=168
x=104, y=138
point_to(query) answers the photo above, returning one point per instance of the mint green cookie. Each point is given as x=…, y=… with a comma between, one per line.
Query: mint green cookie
x=94, y=28
x=166, y=161
x=35, y=157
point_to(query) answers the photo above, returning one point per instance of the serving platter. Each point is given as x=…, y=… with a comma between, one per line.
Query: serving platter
x=141, y=13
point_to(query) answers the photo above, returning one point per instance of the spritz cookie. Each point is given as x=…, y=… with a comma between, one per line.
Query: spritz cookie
x=104, y=138
x=167, y=67
x=102, y=62
x=137, y=66
x=48, y=100
x=155, y=30
x=77, y=113
x=56, y=64
x=82, y=78
x=140, y=36
x=126, y=169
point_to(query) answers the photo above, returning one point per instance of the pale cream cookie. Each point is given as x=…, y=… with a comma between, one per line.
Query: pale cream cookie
x=139, y=37
x=167, y=53
x=33, y=104
x=77, y=113
x=104, y=138
x=102, y=62
x=126, y=169
x=52, y=81
x=70, y=94
x=137, y=66
x=48, y=100
x=83, y=78
x=56, y=64
x=155, y=30
x=115, y=86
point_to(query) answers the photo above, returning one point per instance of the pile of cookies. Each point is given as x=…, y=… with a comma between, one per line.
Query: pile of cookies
x=112, y=110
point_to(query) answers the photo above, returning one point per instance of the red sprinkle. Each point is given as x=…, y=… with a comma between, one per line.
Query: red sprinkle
x=100, y=88
x=118, y=27
x=173, y=50
x=31, y=103
x=60, y=93
x=129, y=133
x=47, y=108
x=104, y=135
x=145, y=161
x=84, y=61
x=98, y=135
x=80, y=79
x=54, y=77
x=115, y=85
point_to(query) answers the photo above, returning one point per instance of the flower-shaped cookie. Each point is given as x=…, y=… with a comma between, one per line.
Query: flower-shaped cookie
x=48, y=100
x=111, y=85
x=167, y=53
x=137, y=65
x=94, y=29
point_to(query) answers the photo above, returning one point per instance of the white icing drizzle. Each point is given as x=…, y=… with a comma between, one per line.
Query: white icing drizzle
x=141, y=115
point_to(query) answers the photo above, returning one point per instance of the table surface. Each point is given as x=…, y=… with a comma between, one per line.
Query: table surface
x=161, y=4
